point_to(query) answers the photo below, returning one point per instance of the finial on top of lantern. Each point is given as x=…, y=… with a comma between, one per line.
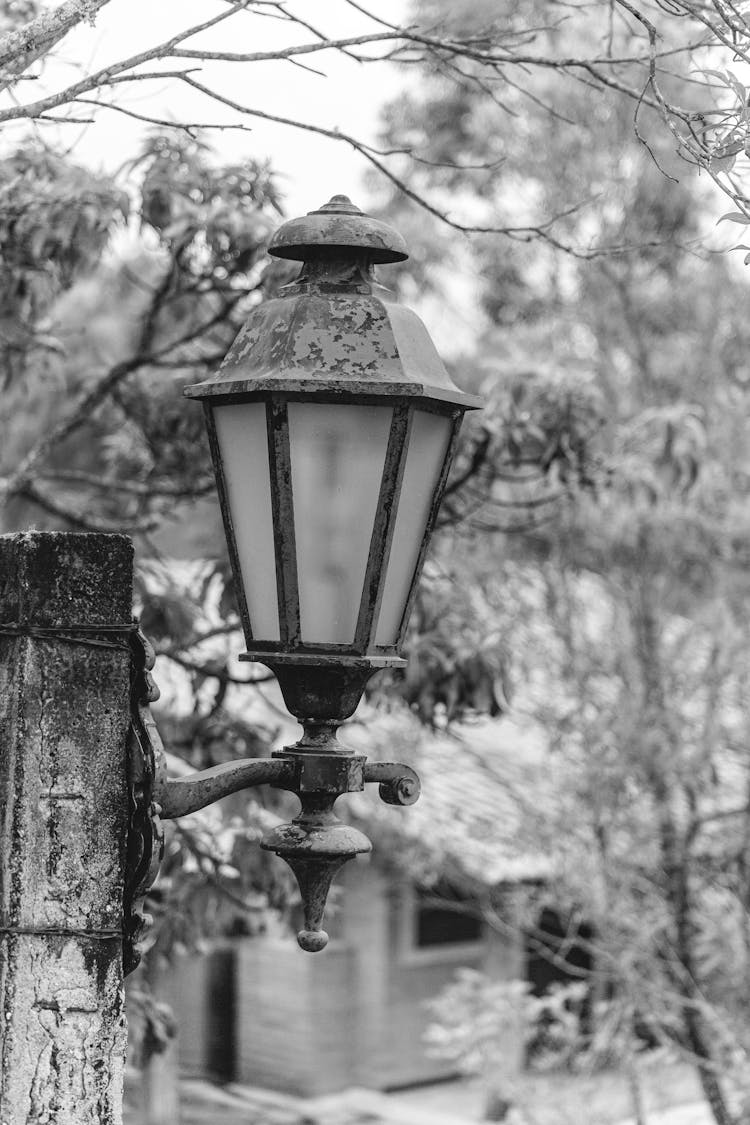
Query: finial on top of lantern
x=338, y=224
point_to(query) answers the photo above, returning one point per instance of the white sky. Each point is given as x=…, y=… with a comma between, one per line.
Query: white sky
x=311, y=168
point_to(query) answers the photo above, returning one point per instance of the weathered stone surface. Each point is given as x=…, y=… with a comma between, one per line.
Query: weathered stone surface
x=64, y=712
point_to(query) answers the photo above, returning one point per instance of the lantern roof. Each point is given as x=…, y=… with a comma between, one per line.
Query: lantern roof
x=334, y=331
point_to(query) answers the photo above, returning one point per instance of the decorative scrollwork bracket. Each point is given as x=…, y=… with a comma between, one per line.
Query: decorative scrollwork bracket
x=146, y=763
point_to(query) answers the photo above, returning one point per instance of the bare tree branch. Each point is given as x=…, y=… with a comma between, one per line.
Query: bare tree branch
x=23, y=46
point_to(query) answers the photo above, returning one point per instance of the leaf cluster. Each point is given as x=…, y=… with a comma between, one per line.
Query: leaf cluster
x=56, y=219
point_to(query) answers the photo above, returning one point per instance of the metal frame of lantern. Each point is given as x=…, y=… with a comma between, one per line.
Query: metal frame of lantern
x=363, y=651
x=338, y=246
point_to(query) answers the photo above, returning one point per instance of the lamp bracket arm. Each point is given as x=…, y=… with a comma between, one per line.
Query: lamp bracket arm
x=398, y=784
x=154, y=797
x=316, y=843
x=183, y=795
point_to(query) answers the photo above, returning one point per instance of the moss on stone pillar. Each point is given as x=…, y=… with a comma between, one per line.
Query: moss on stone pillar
x=64, y=714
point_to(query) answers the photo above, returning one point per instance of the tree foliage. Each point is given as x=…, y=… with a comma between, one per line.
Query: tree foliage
x=670, y=64
x=56, y=221
x=609, y=468
x=609, y=471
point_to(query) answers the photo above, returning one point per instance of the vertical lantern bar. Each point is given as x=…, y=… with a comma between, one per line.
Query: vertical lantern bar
x=385, y=521
x=456, y=417
x=282, y=506
x=226, y=515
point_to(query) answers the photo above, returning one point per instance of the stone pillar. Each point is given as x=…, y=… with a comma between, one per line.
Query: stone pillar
x=64, y=711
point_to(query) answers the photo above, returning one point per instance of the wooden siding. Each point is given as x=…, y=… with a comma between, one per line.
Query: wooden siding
x=412, y=978
x=296, y=1017
x=201, y=992
x=353, y=1015
x=184, y=989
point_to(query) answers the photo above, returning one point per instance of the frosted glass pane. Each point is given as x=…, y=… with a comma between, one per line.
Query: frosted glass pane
x=337, y=454
x=243, y=441
x=428, y=445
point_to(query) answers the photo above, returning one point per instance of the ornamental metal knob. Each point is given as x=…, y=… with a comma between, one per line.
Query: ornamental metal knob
x=315, y=845
x=338, y=224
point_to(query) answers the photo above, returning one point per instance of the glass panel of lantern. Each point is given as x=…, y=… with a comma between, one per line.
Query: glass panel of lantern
x=242, y=436
x=337, y=458
x=428, y=446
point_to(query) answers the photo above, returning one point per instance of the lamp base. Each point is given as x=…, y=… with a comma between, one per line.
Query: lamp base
x=309, y=657
x=322, y=687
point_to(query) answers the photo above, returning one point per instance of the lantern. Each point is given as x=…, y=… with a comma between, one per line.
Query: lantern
x=332, y=423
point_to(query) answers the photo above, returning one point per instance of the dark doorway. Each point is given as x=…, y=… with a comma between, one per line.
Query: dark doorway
x=220, y=1015
x=558, y=951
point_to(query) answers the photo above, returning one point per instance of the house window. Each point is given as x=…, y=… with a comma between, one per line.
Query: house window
x=445, y=916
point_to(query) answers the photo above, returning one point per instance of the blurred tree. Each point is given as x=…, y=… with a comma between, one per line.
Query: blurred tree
x=479, y=1022
x=529, y=55
x=615, y=448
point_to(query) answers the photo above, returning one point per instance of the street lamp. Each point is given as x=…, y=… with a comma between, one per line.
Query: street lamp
x=332, y=423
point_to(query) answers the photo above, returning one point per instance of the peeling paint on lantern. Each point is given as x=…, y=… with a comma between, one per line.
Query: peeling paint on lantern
x=334, y=330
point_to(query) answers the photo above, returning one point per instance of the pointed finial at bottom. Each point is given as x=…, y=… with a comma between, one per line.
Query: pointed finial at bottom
x=312, y=941
x=315, y=846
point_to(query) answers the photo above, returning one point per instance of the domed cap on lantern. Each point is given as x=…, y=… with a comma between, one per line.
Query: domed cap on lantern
x=339, y=224
x=334, y=329
x=332, y=423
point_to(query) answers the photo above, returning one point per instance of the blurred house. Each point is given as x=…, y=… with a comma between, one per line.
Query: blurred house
x=262, y=1012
